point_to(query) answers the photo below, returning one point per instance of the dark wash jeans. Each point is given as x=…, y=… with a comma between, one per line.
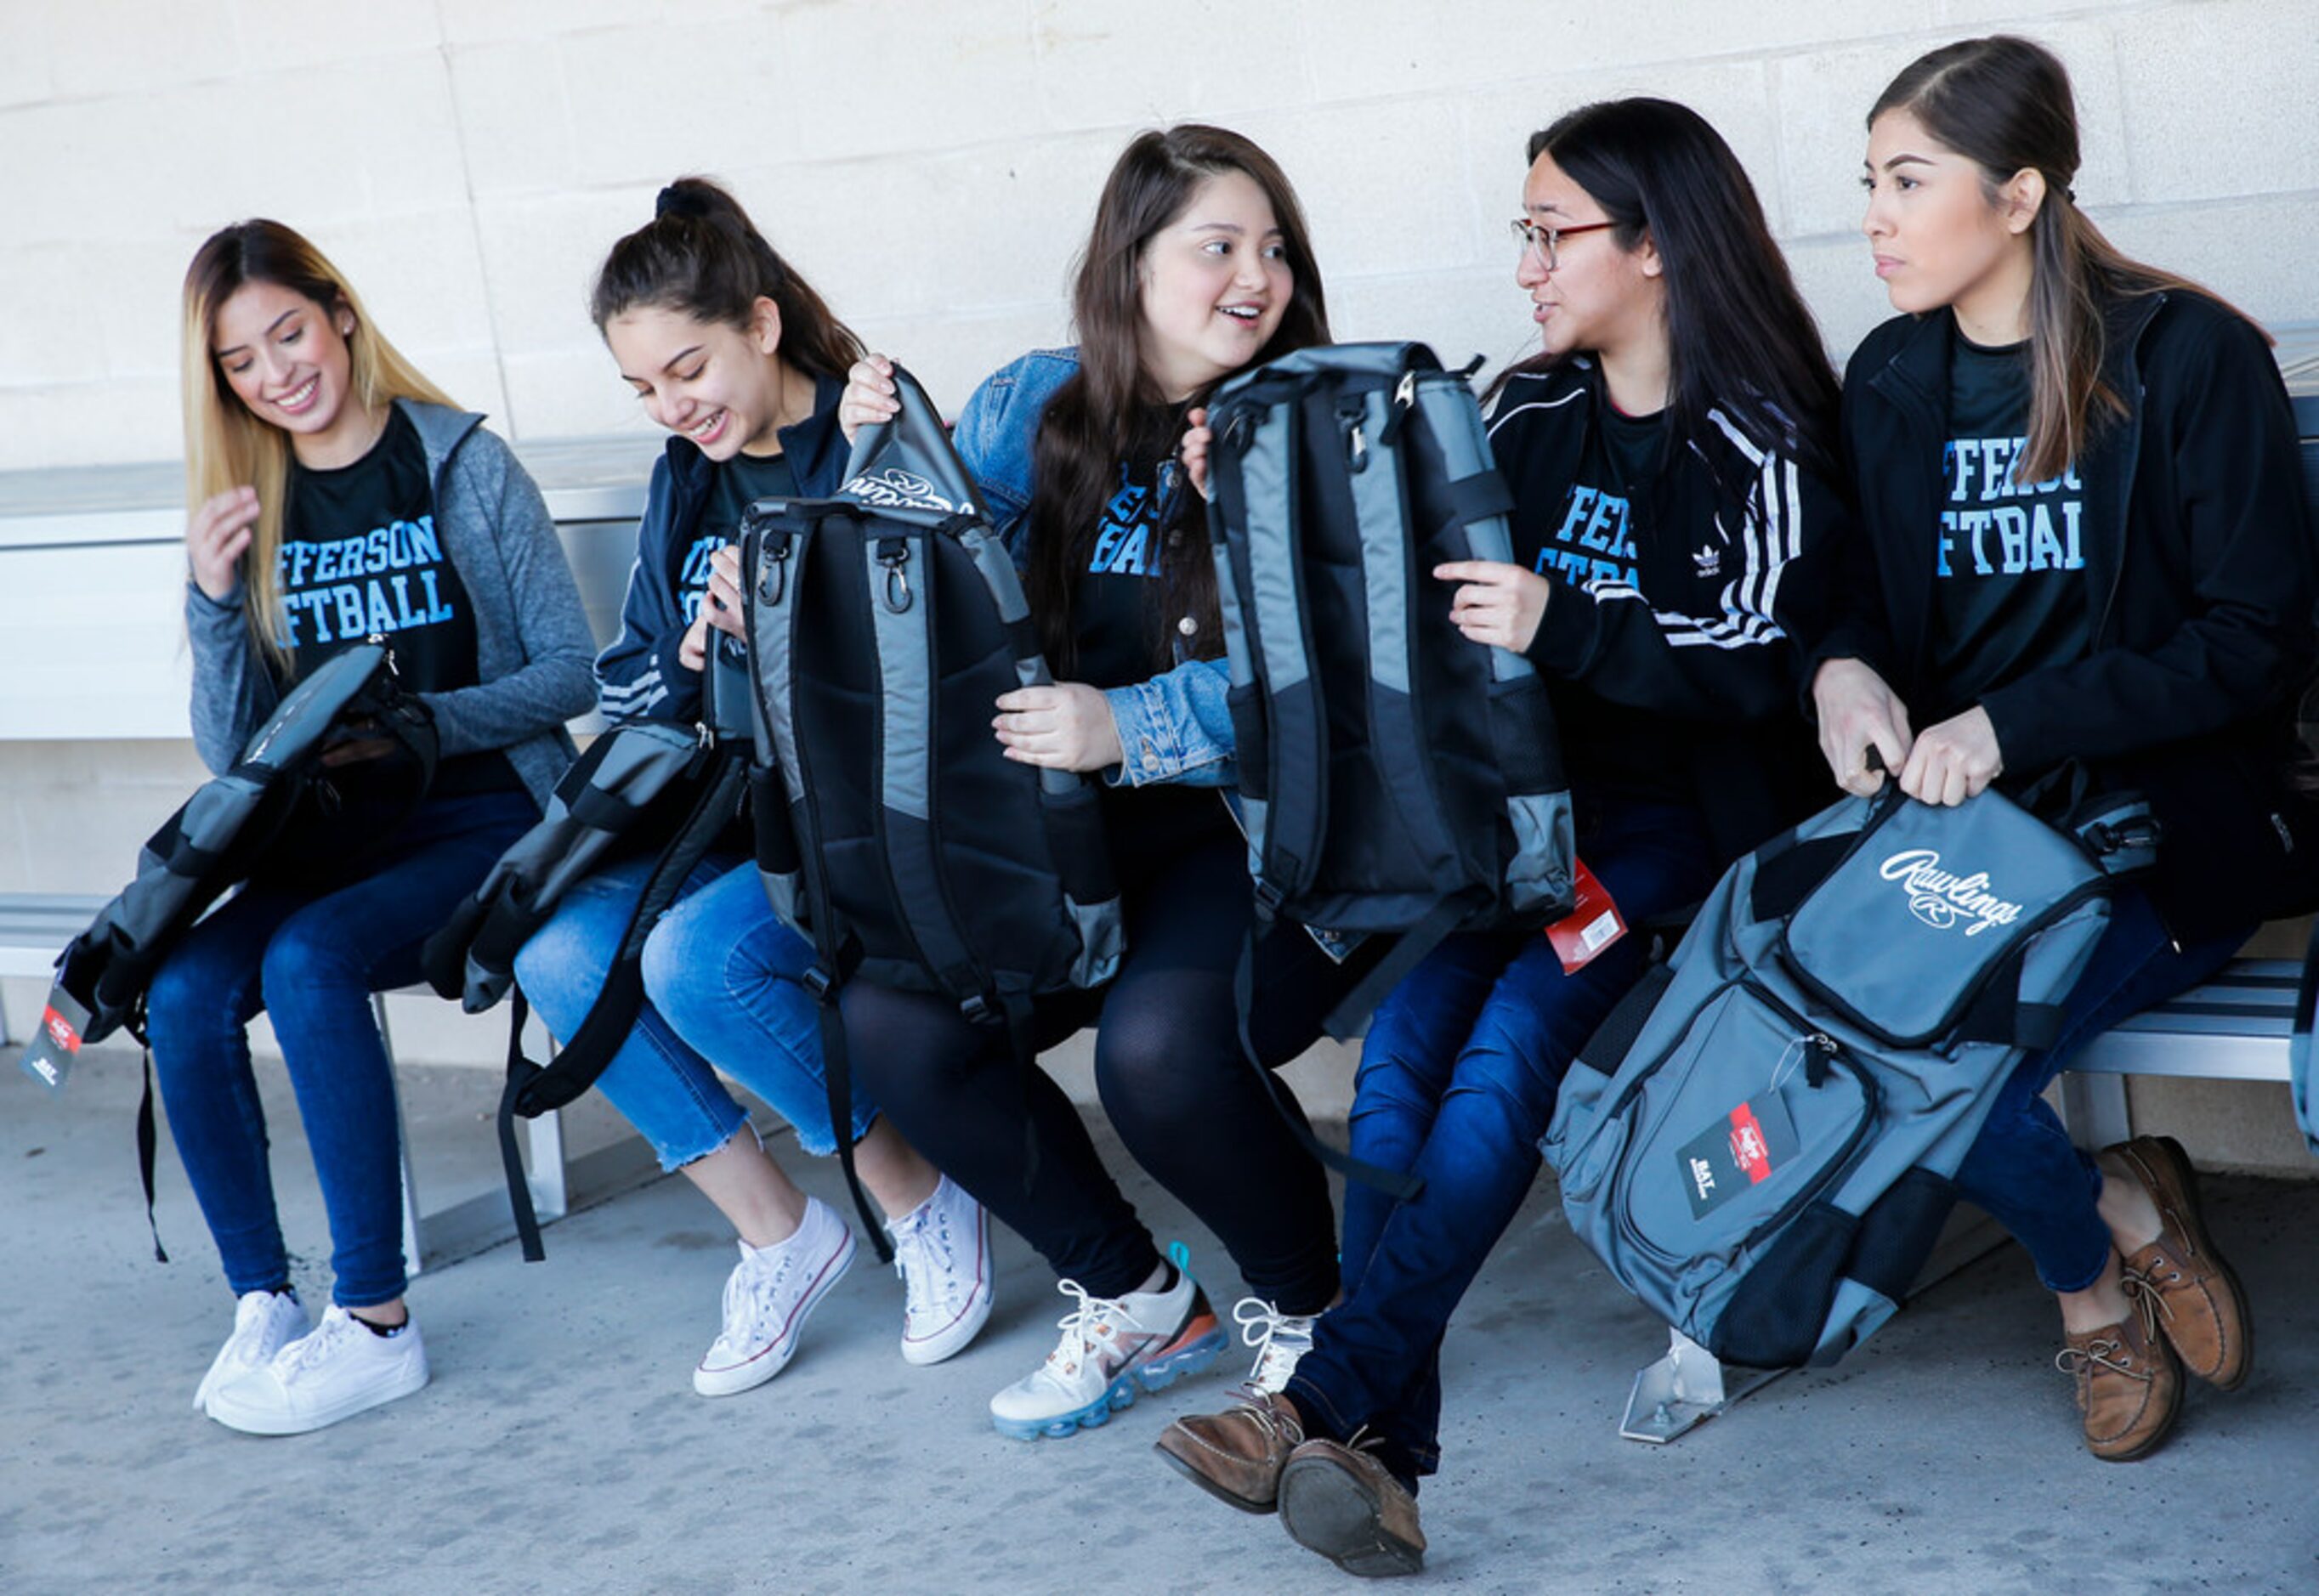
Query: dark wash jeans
x=2023, y=1169
x=1457, y=1082
x=310, y=960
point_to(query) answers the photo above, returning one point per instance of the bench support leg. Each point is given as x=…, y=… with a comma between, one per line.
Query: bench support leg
x=1684, y=1389
x=2093, y=1106
x=413, y=1232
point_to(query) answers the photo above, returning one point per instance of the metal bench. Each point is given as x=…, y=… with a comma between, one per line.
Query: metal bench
x=34, y=927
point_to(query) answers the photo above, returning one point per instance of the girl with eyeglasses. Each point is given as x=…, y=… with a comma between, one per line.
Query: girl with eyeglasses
x=736, y=355
x=2084, y=550
x=337, y=492
x=1670, y=451
x=1197, y=268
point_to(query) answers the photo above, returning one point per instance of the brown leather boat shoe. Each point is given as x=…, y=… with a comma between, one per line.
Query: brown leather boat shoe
x=2129, y=1386
x=1340, y=1501
x=1236, y=1456
x=2201, y=1310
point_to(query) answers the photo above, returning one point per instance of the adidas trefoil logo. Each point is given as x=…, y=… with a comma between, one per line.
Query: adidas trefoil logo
x=1708, y=561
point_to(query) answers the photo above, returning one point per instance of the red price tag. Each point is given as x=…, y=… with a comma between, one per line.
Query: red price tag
x=1592, y=926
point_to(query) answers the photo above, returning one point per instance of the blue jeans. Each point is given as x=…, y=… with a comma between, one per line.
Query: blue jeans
x=1456, y=1083
x=721, y=991
x=2023, y=1169
x=310, y=959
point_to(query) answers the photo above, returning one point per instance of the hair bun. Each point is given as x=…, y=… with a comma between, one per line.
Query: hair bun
x=680, y=200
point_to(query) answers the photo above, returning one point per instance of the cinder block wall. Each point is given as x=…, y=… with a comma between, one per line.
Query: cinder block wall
x=933, y=167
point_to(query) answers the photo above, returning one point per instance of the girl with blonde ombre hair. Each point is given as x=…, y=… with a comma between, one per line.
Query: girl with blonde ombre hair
x=336, y=495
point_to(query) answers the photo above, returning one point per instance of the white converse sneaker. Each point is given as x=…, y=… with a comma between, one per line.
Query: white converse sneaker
x=767, y=1298
x=1280, y=1339
x=941, y=1251
x=263, y=1322
x=1108, y=1347
x=334, y=1373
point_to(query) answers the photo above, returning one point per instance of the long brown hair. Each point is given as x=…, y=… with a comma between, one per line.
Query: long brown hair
x=226, y=446
x=1112, y=410
x=2004, y=103
x=702, y=257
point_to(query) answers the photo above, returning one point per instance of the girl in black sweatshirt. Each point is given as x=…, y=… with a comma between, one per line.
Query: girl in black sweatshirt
x=1669, y=454
x=2084, y=551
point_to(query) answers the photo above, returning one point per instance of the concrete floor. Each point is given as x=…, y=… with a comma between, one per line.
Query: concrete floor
x=561, y=1448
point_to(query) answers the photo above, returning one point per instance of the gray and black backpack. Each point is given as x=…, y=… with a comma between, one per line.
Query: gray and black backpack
x=1759, y=1141
x=892, y=832
x=280, y=815
x=1393, y=777
x=644, y=785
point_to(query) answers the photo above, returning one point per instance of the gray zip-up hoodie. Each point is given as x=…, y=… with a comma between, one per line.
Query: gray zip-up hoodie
x=534, y=653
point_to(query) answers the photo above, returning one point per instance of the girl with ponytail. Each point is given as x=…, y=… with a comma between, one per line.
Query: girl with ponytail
x=2085, y=563
x=734, y=354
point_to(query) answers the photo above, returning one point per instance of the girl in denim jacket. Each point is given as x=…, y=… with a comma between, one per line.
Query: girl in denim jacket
x=1198, y=267
x=737, y=356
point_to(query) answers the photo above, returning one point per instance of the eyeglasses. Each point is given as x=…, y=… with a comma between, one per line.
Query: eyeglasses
x=1543, y=242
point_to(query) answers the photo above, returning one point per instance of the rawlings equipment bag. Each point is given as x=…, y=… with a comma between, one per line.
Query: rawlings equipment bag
x=640, y=783
x=1759, y=1141
x=1393, y=776
x=892, y=832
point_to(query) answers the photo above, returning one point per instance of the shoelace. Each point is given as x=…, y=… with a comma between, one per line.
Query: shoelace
x=2079, y=1361
x=1278, y=1339
x=922, y=1240
x=753, y=1289
x=1077, y=1325
x=2147, y=1298
x=310, y=1350
x=2150, y=1284
x=1277, y=1425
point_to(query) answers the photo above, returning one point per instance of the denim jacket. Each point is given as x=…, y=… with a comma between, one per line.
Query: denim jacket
x=1174, y=726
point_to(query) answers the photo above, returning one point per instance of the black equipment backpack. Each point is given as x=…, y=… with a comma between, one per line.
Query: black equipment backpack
x=638, y=785
x=891, y=830
x=279, y=812
x=1393, y=776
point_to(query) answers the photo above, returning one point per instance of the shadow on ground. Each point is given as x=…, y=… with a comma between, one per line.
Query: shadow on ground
x=561, y=1448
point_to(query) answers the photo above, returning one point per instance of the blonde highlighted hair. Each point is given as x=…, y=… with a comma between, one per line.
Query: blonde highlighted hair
x=226, y=446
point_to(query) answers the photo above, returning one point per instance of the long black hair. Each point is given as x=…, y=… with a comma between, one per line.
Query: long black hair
x=1739, y=338
x=1111, y=410
x=701, y=255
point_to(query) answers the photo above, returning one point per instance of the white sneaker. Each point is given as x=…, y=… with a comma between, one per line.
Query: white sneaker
x=337, y=1371
x=263, y=1322
x=1280, y=1341
x=767, y=1298
x=1108, y=1347
x=941, y=1251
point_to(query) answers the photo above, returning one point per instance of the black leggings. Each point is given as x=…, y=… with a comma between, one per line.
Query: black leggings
x=1169, y=1070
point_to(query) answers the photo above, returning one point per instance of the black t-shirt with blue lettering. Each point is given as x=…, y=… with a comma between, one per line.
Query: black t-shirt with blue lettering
x=2009, y=570
x=1120, y=632
x=1591, y=538
x=361, y=557
x=738, y=483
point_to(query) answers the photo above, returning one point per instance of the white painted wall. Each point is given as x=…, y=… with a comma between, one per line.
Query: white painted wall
x=932, y=166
